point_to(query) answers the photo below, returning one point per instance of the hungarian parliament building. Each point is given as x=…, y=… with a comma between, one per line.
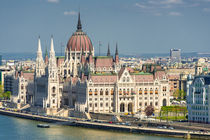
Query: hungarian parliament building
x=89, y=83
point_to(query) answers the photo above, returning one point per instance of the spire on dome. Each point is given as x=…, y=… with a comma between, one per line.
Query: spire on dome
x=79, y=25
x=108, y=52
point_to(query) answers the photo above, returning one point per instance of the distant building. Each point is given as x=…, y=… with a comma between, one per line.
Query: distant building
x=175, y=56
x=198, y=99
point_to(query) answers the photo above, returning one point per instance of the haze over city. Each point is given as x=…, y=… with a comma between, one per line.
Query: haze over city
x=139, y=26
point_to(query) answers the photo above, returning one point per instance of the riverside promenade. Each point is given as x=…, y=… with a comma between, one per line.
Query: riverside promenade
x=108, y=126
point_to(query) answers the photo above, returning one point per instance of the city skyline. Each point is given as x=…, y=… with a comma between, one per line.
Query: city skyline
x=137, y=26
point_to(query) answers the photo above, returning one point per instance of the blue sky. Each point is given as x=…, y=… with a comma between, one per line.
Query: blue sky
x=139, y=26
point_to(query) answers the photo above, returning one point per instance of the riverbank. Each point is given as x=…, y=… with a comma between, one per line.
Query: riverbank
x=107, y=126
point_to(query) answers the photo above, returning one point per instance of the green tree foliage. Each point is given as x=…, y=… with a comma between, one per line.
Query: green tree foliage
x=149, y=110
x=4, y=95
x=179, y=112
x=179, y=94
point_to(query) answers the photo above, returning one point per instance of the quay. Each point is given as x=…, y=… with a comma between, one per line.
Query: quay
x=108, y=126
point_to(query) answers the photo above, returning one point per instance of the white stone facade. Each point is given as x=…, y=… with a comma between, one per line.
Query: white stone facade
x=198, y=94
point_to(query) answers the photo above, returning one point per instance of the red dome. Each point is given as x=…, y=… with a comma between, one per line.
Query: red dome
x=78, y=41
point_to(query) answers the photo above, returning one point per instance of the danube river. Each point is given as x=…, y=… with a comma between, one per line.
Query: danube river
x=12, y=128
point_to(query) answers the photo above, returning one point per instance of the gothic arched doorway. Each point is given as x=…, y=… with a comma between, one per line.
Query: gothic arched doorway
x=164, y=102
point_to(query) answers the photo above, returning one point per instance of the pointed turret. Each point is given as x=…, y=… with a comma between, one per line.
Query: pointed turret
x=79, y=25
x=39, y=45
x=108, y=52
x=52, y=52
x=39, y=50
x=39, y=61
x=116, y=54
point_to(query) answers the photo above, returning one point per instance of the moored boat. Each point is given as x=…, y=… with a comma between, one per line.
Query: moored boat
x=43, y=125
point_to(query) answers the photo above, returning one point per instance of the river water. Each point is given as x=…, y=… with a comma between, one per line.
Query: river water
x=12, y=128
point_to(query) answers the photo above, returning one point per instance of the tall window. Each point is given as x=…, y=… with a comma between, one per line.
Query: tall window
x=53, y=89
x=90, y=92
x=107, y=92
x=101, y=92
x=140, y=91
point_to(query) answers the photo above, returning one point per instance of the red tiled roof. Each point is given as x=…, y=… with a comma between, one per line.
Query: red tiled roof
x=104, y=62
x=104, y=78
x=143, y=78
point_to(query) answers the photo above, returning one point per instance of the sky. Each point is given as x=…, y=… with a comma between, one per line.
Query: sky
x=138, y=26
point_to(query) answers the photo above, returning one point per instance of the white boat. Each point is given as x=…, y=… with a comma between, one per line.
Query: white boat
x=43, y=125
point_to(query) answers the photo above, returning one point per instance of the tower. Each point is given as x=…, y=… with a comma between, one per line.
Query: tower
x=40, y=66
x=53, y=95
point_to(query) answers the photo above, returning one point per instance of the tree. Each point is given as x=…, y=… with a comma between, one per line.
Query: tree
x=176, y=94
x=179, y=94
x=4, y=95
x=149, y=110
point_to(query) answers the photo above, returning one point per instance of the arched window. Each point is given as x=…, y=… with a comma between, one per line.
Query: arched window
x=22, y=87
x=96, y=91
x=53, y=89
x=145, y=91
x=164, y=102
x=151, y=91
x=140, y=91
x=122, y=107
x=90, y=92
x=156, y=91
x=130, y=107
x=107, y=92
x=120, y=91
x=112, y=91
x=101, y=92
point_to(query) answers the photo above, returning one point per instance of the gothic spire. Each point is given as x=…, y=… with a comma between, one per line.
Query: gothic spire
x=39, y=45
x=46, y=53
x=52, y=46
x=108, y=52
x=116, y=52
x=79, y=25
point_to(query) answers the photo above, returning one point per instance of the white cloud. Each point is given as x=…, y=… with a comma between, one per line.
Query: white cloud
x=174, y=14
x=141, y=6
x=53, y=1
x=71, y=13
x=171, y=2
x=206, y=9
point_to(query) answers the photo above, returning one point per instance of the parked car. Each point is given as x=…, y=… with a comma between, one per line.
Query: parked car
x=171, y=128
